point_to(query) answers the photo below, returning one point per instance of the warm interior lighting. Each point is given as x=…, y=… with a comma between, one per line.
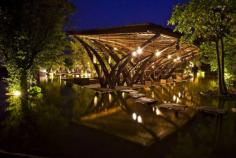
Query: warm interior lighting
x=115, y=48
x=153, y=95
x=177, y=100
x=140, y=50
x=178, y=58
x=158, y=112
x=134, y=54
x=134, y=116
x=123, y=94
x=169, y=56
x=16, y=93
x=179, y=94
x=110, y=98
x=95, y=101
x=174, y=98
x=158, y=53
x=140, y=120
x=175, y=60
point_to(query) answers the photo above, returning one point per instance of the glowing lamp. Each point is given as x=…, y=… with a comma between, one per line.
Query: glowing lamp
x=158, y=53
x=16, y=93
x=158, y=112
x=134, y=54
x=140, y=50
x=140, y=120
x=134, y=116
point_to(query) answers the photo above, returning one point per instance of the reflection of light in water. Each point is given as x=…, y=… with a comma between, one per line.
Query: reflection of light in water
x=153, y=95
x=177, y=100
x=179, y=94
x=140, y=119
x=162, y=91
x=212, y=84
x=95, y=100
x=110, y=97
x=134, y=116
x=201, y=74
x=60, y=79
x=158, y=112
x=123, y=94
x=51, y=76
x=174, y=98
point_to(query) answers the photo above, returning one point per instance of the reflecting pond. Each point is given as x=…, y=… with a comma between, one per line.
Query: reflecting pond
x=68, y=120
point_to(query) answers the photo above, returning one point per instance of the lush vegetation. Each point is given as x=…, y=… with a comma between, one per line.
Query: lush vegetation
x=211, y=24
x=31, y=34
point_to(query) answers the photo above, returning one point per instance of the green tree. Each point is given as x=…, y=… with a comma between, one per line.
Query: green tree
x=209, y=23
x=31, y=33
x=69, y=62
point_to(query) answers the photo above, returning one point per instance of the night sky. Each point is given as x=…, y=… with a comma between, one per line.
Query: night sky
x=107, y=13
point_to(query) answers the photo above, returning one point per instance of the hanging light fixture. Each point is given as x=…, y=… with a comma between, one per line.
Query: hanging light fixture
x=158, y=53
x=139, y=50
x=134, y=54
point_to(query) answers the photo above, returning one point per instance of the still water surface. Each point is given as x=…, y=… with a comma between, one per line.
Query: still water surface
x=68, y=120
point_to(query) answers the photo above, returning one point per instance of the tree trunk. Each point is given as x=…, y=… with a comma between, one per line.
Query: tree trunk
x=24, y=87
x=223, y=66
x=219, y=69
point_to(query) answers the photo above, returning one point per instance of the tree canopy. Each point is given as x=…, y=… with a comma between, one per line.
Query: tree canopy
x=210, y=24
x=31, y=33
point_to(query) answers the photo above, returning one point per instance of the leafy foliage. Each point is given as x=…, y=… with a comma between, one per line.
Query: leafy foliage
x=31, y=34
x=211, y=25
x=203, y=20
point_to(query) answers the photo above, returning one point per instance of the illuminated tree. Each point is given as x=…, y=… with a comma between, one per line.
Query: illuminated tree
x=31, y=33
x=209, y=23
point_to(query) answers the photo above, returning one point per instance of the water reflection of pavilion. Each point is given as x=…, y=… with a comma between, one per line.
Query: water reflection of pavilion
x=117, y=113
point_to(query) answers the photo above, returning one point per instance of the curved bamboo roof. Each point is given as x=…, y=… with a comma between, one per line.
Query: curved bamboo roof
x=142, y=47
